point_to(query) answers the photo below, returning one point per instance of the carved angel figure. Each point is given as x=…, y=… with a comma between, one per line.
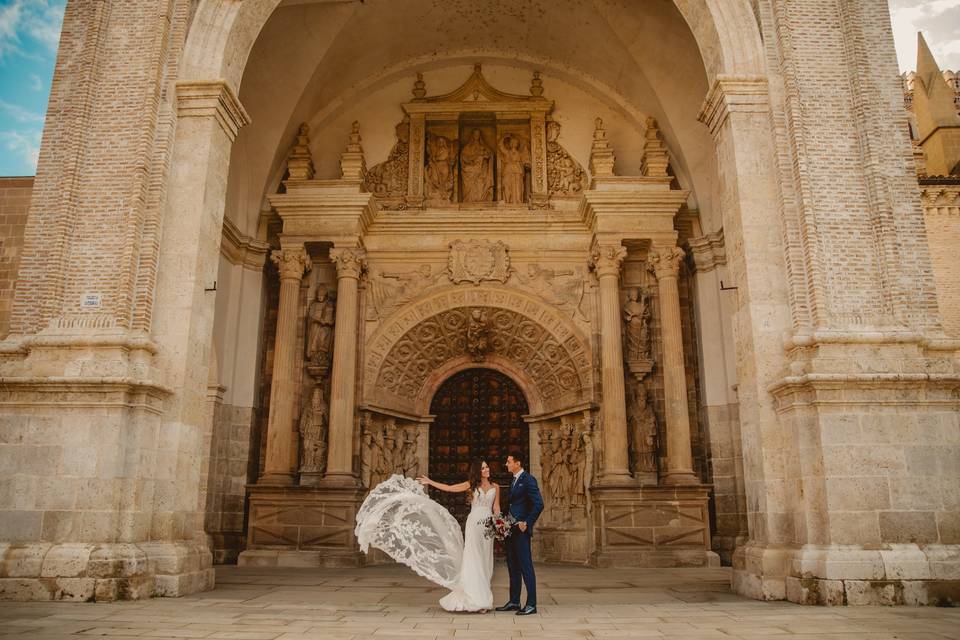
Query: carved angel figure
x=476, y=169
x=563, y=289
x=511, y=161
x=478, y=335
x=389, y=290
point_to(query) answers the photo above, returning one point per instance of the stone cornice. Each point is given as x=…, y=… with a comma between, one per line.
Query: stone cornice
x=632, y=208
x=941, y=197
x=330, y=210
x=212, y=99
x=730, y=94
x=820, y=389
x=707, y=252
x=240, y=249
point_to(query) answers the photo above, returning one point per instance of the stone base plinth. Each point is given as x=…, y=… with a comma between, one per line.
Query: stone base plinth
x=302, y=527
x=651, y=527
x=88, y=572
x=561, y=544
x=887, y=574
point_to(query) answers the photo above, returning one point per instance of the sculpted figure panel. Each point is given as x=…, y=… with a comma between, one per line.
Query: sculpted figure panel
x=642, y=425
x=389, y=290
x=387, y=448
x=562, y=288
x=567, y=460
x=476, y=169
x=439, y=177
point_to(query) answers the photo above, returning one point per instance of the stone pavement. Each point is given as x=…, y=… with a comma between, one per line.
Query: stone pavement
x=380, y=602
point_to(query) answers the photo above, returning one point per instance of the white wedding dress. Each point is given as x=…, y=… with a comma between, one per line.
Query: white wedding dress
x=399, y=518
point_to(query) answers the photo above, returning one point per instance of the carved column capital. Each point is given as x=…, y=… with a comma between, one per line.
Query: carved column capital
x=292, y=263
x=606, y=259
x=664, y=262
x=350, y=261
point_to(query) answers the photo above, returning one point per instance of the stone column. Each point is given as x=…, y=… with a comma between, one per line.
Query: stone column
x=350, y=262
x=279, y=466
x=606, y=262
x=665, y=264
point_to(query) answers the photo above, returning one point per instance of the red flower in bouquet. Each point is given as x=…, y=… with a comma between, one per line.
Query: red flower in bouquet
x=498, y=526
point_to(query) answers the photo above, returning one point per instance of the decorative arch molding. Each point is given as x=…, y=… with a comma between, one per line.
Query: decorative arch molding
x=223, y=33
x=531, y=341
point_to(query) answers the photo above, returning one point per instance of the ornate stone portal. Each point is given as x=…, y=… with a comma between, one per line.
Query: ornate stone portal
x=482, y=280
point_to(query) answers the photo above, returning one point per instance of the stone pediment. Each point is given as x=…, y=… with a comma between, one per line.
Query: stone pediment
x=476, y=89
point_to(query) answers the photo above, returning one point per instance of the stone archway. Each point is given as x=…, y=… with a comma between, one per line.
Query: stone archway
x=425, y=341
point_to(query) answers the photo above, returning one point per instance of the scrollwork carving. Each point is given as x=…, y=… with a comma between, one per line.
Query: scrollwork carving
x=565, y=176
x=389, y=178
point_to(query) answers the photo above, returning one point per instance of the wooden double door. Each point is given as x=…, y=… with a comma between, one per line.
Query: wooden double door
x=479, y=416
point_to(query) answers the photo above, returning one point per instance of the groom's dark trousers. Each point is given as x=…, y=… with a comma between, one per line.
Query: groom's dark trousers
x=526, y=504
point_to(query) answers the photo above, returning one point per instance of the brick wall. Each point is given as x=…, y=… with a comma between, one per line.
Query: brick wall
x=14, y=204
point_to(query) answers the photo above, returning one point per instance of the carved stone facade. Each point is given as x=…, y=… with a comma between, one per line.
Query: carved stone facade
x=717, y=293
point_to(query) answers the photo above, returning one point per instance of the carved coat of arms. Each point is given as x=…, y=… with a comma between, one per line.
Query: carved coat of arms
x=478, y=260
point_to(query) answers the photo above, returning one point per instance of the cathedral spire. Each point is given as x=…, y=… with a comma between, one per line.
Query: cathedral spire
x=937, y=121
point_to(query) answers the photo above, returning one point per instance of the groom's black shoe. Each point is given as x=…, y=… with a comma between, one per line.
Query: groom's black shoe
x=510, y=606
x=527, y=610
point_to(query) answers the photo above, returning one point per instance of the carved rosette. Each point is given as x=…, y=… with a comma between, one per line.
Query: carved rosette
x=350, y=262
x=478, y=260
x=606, y=260
x=664, y=262
x=291, y=263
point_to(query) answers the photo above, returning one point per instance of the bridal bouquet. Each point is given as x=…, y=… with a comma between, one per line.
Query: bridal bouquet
x=498, y=526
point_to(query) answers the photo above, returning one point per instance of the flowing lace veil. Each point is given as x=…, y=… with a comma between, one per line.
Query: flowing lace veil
x=399, y=518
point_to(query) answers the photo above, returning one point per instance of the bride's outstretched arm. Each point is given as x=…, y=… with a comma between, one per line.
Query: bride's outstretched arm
x=452, y=488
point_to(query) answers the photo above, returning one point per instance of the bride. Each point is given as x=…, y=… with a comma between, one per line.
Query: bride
x=399, y=518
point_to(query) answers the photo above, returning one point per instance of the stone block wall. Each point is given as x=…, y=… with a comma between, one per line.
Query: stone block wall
x=14, y=204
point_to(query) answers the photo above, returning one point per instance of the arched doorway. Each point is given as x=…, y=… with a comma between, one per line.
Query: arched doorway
x=479, y=414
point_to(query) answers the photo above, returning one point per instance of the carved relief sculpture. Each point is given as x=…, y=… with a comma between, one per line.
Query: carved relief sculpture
x=642, y=425
x=388, y=291
x=476, y=169
x=636, y=326
x=478, y=335
x=313, y=433
x=566, y=460
x=478, y=260
x=438, y=179
x=512, y=162
x=565, y=176
x=389, y=178
x=321, y=316
x=387, y=448
x=563, y=289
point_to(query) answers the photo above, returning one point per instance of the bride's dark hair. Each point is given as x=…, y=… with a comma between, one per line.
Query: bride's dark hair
x=475, y=477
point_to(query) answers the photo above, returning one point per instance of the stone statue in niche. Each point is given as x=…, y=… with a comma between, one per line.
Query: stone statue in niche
x=636, y=326
x=438, y=177
x=565, y=176
x=391, y=290
x=313, y=433
x=478, y=335
x=512, y=162
x=387, y=448
x=563, y=289
x=321, y=316
x=643, y=432
x=476, y=169
x=389, y=178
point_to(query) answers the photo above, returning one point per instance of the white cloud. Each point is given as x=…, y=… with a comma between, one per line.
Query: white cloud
x=20, y=114
x=35, y=82
x=36, y=20
x=26, y=144
x=937, y=19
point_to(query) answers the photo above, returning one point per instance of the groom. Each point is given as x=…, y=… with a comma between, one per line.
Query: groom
x=525, y=505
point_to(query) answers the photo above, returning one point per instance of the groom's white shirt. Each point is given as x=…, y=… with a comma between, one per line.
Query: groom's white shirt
x=516, y=477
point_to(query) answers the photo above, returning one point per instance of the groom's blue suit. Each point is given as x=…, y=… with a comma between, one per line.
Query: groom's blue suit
x=526, y=504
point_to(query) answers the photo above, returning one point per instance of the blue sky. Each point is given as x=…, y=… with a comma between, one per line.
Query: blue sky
x=30, y=30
